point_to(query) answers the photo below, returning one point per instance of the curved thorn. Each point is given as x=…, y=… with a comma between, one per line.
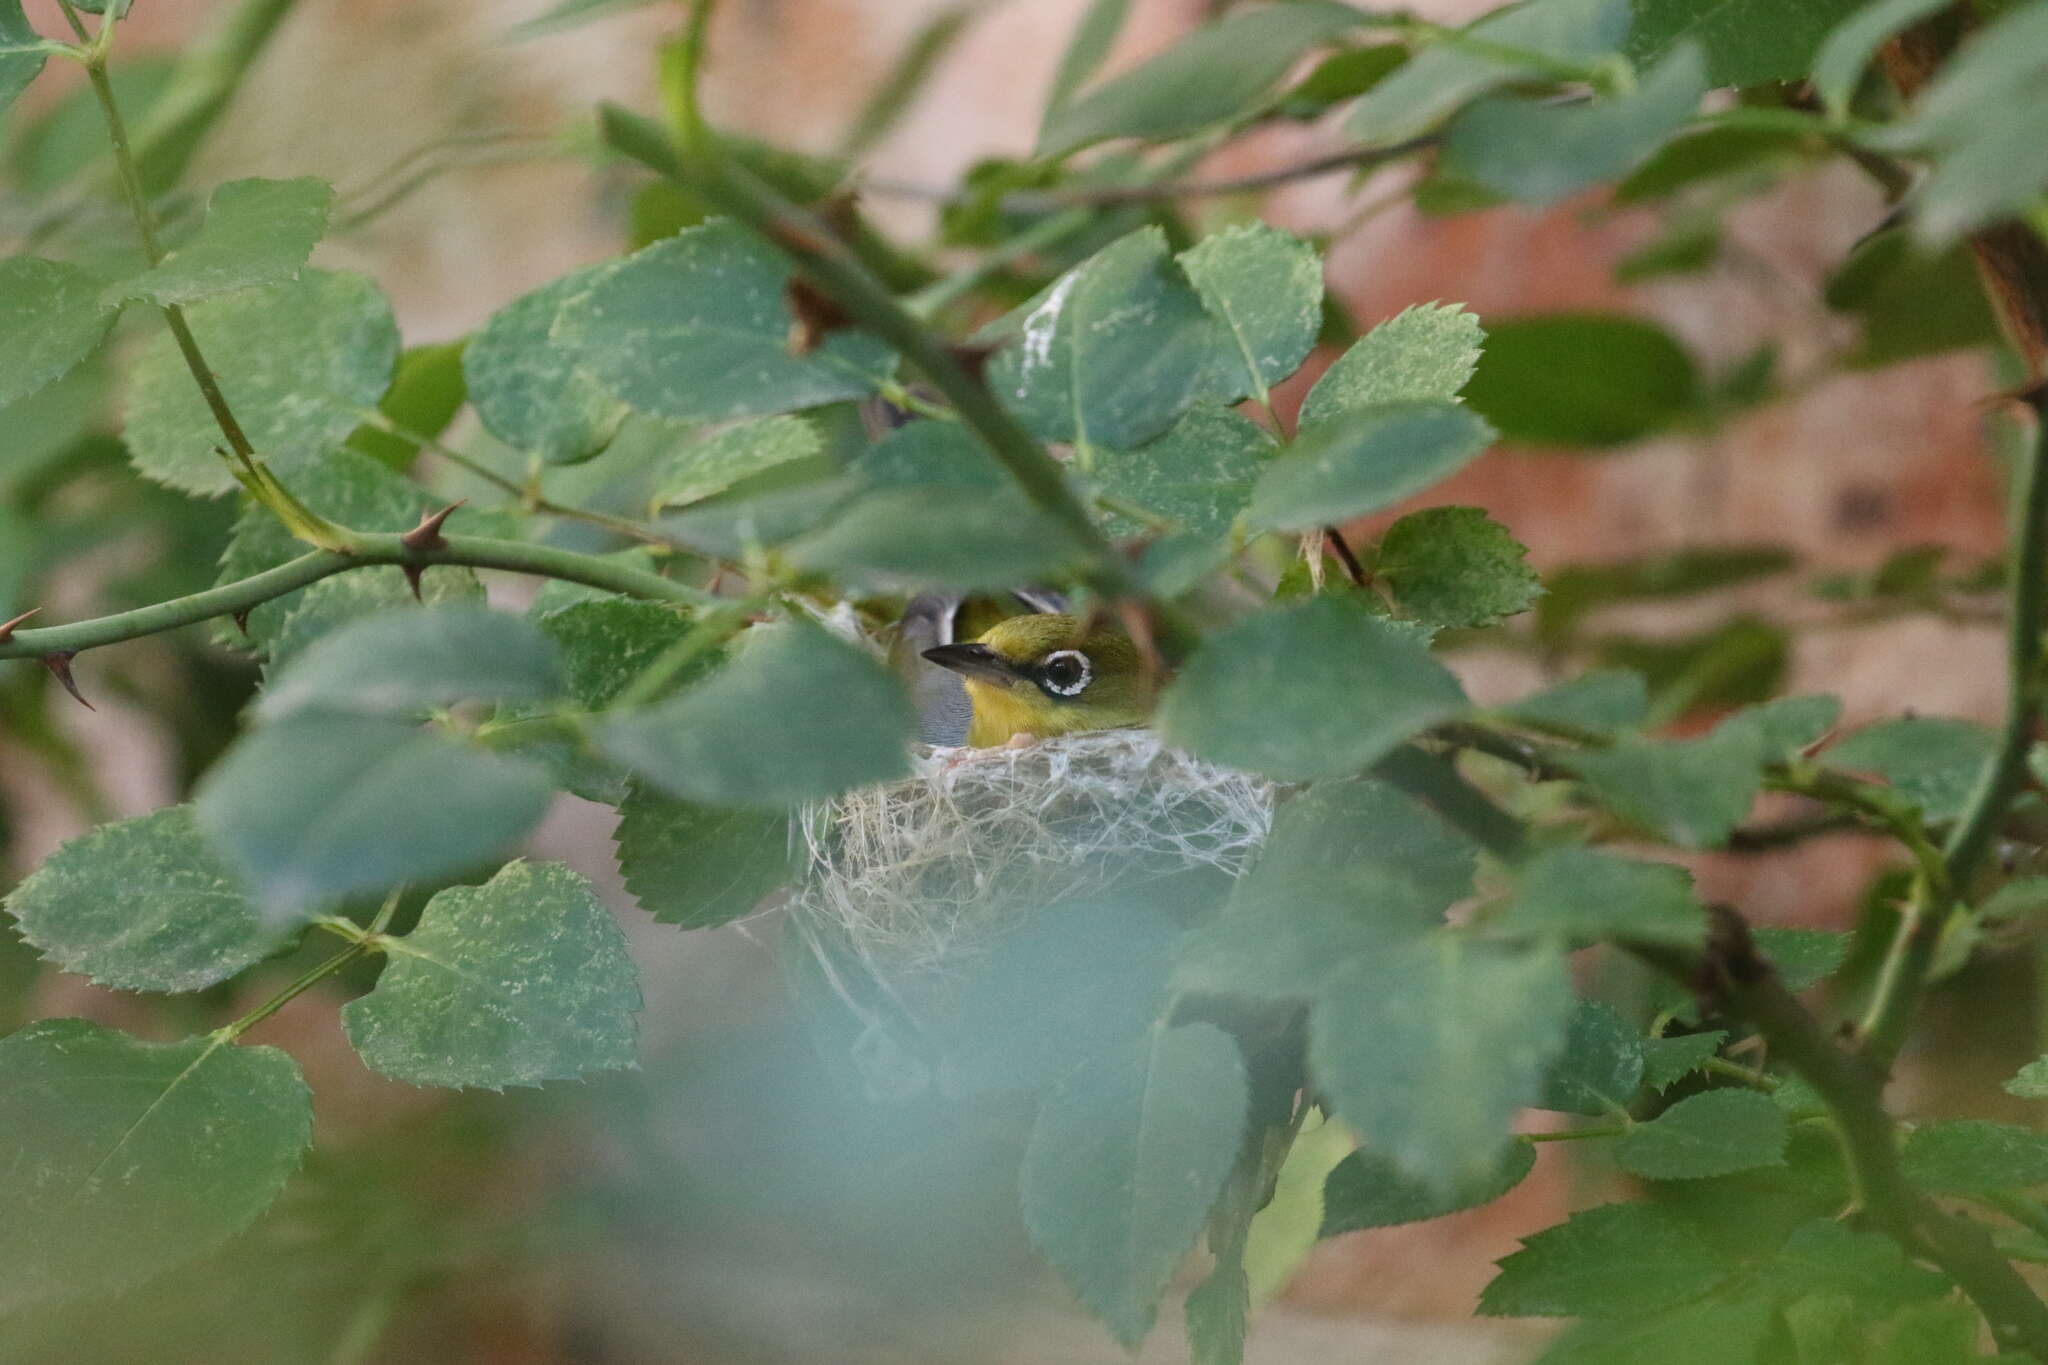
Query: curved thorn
x=7, y=627
x=59, y=665
x=427, y=535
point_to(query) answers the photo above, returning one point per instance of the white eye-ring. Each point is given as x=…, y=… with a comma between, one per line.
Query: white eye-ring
x=1066, y=673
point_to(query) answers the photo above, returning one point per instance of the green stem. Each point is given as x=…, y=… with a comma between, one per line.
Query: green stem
x=364, y=549
x=937, y=295
x=1900, y=818
x=530, y=499
x=1971, y=839
x=1579, y=1134
x=1721, y=1066
x=308, y=979
x=152, y=247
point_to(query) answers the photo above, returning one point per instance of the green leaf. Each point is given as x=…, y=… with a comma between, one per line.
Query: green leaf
x=1198, y=476
x=1341, y=77
x=1115, y=351
x=1584, y=896
x=126, y=1158
x=939, y=537
x=1085, y=53
x=1714, y=1332
x=298, y=364
x=1828, y=1257
x=696, y=327
x=1124, y=1160
x=798, y=715
x=1715, y=1133
x=1266, y=286
x=1539, y=153
x=1747, y=42
x=1785, y=726
x=524, y=383
x=348, y=488
x=1933, y=761
x=1580, y=588
x=1601, y=1066
x=1365, y=1190
x=1972, y=122
x=2031, y=1083
x=1350, y=866
x=1606, y=700
x=321, y=807
x=1316, y=690
x=364, y=594
x=1428, y=1048
x=717, y=462
x=1803, y=957
x=1929, y=1334
x=1666, y=1061
x=1613, y=1261
x=1850, y=46
x=426, y=392
x=1737, y=154
x=410, y=662
x=1456, y=567
x=256, y=232
x=1911, y=301
x=1365, y=461
x=1690, y=791
x=1071, y=980
x=1211, y=75
x=1975, y=1157
x=698, y=867
x=521, y=980
x=51, y=317
x=141, y=905
x=1421, y=354
x=18, y=70
x=1582, y=379
x=606, y=642
x=929, y=455
x=1444, y=76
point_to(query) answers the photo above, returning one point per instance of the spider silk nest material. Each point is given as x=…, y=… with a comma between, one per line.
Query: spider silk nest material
x=916, y=875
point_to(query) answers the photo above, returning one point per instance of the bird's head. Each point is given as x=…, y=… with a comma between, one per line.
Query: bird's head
x=1047, y=675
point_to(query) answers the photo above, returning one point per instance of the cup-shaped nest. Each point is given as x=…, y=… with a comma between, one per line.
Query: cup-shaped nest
x=916, y=876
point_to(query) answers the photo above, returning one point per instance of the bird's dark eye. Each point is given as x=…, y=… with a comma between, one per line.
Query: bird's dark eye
x=1065, y=673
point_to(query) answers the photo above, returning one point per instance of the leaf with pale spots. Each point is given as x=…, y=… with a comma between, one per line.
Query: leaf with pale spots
x=523, y=387
x=142, y=905
x=256, y=232
x=697, y=327
x=298, y=363
x=1266, y=286
x=522, y=980
x=1116, y=350
x=1421, y=354
x=51, y=317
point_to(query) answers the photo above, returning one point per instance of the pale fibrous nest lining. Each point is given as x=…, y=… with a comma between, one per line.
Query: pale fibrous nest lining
x=916, y=875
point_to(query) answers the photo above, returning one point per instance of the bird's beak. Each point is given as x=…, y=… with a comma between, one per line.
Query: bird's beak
x=973, y=661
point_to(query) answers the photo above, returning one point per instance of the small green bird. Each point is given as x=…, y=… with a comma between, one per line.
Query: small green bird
x=1048, y=674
